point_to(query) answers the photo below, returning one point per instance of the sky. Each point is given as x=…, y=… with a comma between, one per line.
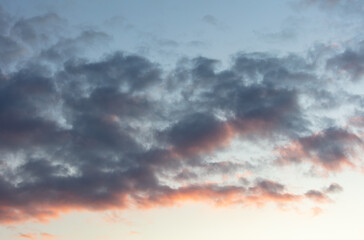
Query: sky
x=156, y=120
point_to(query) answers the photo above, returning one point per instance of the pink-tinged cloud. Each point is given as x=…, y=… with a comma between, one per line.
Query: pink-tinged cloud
x=258, y=194
x=37, y=236
x=357, y=121
x=316, y=211
x=27, y=236
x=47, y=236
x=332, y=150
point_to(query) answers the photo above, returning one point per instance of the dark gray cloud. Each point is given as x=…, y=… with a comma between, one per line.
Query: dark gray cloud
x=196, y=133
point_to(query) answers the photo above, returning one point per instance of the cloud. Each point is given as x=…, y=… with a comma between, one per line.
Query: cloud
x=210, y=19
x=269, y=191
x=50, y=204
x=198, y=133
x=334, y=188
x=289, y=31
x=39, y=236
x=38, y=29
x=349, y=62
x=331, y=149
x=213, y=21
x=343, y=6
x=122, y=131
x=5, y=21
x=317, y=196
x=63, y=49
x=10, y=50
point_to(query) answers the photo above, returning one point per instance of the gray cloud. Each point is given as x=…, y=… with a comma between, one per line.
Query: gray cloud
x=64, y=48
x=334, y=188
x=350, y=62
x=331, y=149
x=38, y=30
x=210, y=19
x=10, y=50
x=317, y=196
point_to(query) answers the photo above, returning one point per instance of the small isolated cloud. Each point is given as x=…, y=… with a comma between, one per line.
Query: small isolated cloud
x=210, y=19
x=213, y=21
x=334, y=188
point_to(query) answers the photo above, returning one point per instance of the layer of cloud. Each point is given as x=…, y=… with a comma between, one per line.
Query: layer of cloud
x=121, y=131
x=342, y=6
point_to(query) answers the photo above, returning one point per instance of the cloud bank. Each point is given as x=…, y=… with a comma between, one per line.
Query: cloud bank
x=121, y=131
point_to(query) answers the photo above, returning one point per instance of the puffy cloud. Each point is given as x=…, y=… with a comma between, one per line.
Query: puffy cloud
x=331, y=149
x=198, y=133
x=317, y=196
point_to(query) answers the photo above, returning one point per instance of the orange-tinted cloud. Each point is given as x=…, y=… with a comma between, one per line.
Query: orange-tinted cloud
x=37, y=236
x=28, y=236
